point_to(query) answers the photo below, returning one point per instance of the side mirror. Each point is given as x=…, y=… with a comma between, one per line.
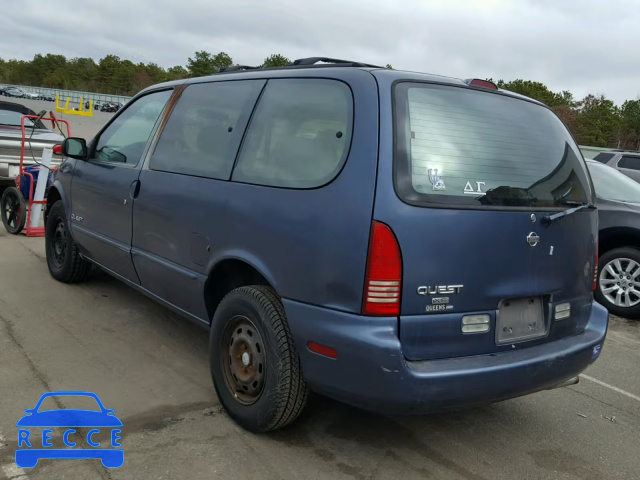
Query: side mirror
x=75, y=148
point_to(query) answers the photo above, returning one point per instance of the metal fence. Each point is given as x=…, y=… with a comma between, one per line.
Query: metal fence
x=74, y=95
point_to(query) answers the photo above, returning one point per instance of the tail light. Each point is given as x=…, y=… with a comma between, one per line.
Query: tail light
x=383, y=280
x=595, y=271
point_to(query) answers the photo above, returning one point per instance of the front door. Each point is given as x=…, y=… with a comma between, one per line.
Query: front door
x=104, y=187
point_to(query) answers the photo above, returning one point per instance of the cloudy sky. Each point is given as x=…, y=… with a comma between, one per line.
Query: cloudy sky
x=586, y=46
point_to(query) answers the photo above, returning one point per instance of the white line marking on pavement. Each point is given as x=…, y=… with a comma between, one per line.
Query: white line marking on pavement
x=12, y=471
x=611, y=387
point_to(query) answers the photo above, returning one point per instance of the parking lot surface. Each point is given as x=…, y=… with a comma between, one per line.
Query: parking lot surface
x=151, y=367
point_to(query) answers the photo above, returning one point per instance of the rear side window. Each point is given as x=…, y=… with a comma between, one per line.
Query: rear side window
x=604, y=157
x=204, y=130
x=630, y=162
x=463, y=147
x=299, y=136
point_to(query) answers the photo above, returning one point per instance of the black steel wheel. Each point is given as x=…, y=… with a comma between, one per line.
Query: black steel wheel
x=59, y=244
x=254, y=364
x=243, y=357
x=14, y=210
x=63, y=258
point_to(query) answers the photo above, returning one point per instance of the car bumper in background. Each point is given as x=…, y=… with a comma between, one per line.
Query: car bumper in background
x=371, y=371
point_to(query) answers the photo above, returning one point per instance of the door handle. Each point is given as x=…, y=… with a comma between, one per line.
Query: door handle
x=134, y=189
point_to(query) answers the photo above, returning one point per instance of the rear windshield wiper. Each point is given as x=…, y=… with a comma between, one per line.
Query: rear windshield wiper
x=547, y=219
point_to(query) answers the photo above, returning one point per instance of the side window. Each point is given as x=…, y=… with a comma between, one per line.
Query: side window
x=630, y=162
x=124, y=140
x=205, y=128
x=299, y=135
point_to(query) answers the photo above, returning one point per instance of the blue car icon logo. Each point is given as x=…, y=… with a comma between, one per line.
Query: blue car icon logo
x=31, y=447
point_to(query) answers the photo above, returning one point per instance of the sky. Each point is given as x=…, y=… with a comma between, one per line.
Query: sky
x=585, y=46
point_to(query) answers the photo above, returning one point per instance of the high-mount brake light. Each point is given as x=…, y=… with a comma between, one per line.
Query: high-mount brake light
x=476, y=82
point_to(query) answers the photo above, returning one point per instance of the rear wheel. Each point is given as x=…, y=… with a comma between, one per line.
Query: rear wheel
x=255, y=368
x=63, y=258
x=618, y=286
x=14, y=210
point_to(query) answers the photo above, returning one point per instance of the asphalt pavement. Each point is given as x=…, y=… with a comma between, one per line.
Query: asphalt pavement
x=151, y=367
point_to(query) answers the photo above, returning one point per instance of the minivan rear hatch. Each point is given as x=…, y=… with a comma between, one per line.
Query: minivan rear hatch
x=479, y=174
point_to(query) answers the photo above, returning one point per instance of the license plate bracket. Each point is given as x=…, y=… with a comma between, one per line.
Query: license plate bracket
x=520, y=319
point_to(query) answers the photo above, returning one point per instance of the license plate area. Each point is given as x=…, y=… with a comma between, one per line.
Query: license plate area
x=520, y=319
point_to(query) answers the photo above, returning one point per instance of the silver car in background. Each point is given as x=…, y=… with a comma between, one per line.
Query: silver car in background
x=37, y=134
x=625, y=162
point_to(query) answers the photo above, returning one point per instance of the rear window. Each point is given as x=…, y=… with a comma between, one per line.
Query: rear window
x=629, y=161
x=604, y=157
x=467, y=148
x=8, y=117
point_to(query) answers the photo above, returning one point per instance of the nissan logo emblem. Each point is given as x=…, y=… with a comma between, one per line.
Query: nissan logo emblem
x=533, y=239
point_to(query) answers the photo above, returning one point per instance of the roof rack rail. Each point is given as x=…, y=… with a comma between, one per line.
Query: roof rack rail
x=338, y=62
x=235, y=68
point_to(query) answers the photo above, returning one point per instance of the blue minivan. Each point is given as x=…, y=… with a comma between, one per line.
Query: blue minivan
x=399, y=241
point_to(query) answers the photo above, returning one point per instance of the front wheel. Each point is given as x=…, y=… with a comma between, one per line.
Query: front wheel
x=255, y=368
x=63, y=258
x=618, y=286
x=14, y=210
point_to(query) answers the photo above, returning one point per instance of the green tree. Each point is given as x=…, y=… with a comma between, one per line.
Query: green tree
x=176, y=73
x=388, y=65
x=108, y=68
x=630, y=113
x=538, y=91
x=204, y=63
x=82, y=74
x=154, y=72
x=275, y=60
x=598, y=122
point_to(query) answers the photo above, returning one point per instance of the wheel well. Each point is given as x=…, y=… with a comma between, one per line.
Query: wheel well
x=617, y=238
x=226, y=276
x=53, y=195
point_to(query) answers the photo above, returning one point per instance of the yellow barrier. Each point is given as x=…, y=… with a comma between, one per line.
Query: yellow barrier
x=61, y=110
x=80, y=111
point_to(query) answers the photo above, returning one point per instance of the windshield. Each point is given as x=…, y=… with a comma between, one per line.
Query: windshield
x=610, y=184
x=9, y=117
x=464, y=147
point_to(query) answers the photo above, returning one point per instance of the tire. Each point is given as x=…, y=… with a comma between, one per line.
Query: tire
x=610, y=267
x=266, y=390
x=13, y=210
x=63, y=258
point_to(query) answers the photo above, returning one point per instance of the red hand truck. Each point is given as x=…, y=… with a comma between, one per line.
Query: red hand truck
x=15, y=209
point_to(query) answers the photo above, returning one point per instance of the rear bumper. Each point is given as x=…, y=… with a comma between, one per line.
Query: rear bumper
x=371, y=371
